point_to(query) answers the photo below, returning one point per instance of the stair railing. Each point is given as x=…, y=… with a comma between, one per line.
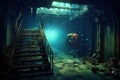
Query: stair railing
x=47, y=46
x=10, y=50
x=19, y=29
x=17, y=32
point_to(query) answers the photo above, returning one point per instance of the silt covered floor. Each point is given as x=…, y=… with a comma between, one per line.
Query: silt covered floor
x=69, y=67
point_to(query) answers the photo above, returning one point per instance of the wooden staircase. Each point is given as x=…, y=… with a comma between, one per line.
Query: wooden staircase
x=30, y=57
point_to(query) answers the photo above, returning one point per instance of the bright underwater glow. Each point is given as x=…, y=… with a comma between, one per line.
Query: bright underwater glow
x=60, y=4
x=60, y=8
x=52, y=35
x=55, y=34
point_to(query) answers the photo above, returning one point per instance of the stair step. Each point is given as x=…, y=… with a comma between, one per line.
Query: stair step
x=29, y=60
x=23, y=38
x=26, y=37
x=21, y=41
x=30, y=30
x=38, y=73
x=27, y=34
x=35, y=43
x=32, y=74
x=28, y=47
x=30, y=54
x=31, y=38
x=29, y=66
x=28, y=44
x=29, y=51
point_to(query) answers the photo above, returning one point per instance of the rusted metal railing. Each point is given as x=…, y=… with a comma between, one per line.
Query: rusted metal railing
x=47, y=46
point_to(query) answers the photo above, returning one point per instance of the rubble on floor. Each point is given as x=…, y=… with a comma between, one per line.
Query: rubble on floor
x=67, y=67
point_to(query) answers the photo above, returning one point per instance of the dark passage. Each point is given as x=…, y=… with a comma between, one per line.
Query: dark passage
x=59, y=40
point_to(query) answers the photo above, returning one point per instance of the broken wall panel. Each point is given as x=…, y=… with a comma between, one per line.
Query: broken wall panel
x=10, y=28
x=109, y=43
x=117, y=37
x=8, y=32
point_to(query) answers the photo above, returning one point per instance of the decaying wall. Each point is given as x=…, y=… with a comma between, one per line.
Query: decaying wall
x=109, y=43
x=107, y=37
x=9, y=30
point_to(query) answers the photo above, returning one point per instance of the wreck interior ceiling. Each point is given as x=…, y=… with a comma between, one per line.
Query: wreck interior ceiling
x=64, y=9
x=22, y=4
x=47, y=3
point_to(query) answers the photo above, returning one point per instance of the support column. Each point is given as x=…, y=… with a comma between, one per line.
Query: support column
x=2, y=32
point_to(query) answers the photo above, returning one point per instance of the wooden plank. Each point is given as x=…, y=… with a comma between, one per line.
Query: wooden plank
x=29, y=66
x=29, y=60
x=29, y=51
x=30, y=54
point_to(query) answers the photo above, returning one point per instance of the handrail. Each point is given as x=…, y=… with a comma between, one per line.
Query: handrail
x=47, y=45
x=19, y=28
x=17, y=31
